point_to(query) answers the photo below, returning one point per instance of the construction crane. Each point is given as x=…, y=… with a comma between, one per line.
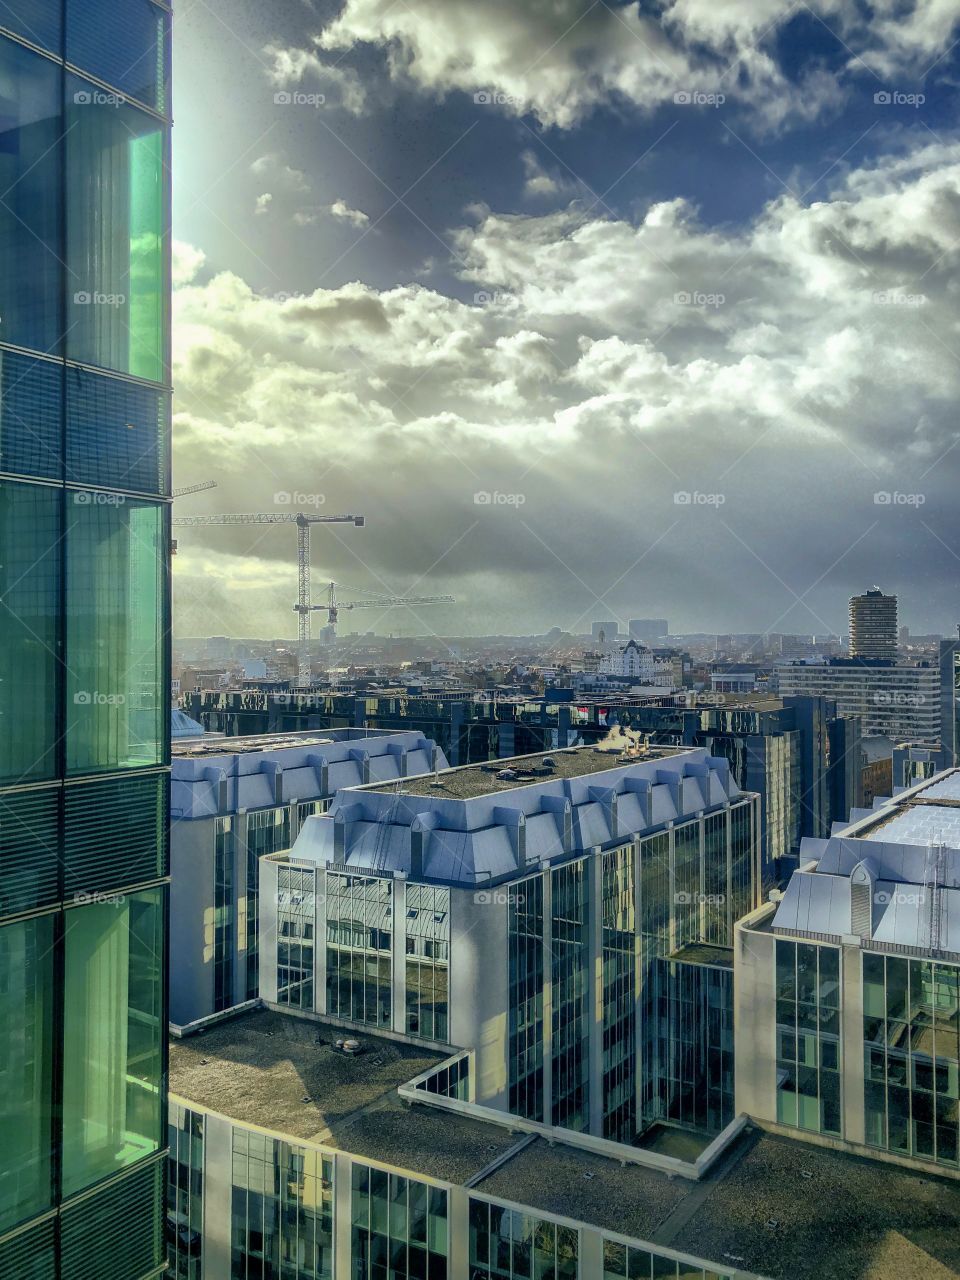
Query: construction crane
x=302, y=607
x=334, y=605
x=195, y=488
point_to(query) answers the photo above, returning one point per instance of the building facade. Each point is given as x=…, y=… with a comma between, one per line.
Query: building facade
x=909, y=703
x=434, y=909
x=84, y=648
x=847, y=1016
x=234, y=801
x=873, y=626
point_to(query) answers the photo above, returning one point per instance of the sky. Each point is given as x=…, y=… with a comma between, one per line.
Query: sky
x=594, y=310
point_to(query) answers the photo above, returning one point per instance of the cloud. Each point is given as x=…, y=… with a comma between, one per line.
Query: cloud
x=290, y=67
x=541, y=184
x=340, y=209
x=560, y=59
x=605, y=366
x=263, y=203
x=274, y=168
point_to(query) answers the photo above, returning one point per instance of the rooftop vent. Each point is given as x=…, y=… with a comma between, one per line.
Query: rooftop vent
x=507, y=775
x=350, y=1047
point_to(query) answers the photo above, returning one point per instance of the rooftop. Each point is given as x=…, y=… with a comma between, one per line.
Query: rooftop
x=772, y=1206
x=474, y=780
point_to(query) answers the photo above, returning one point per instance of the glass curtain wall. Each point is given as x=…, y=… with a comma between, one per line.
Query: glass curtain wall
x=525, y=1028
x=84, y=618
x=359, y=941
x=808, y=1037
x=399, y=1227
x=428, y=961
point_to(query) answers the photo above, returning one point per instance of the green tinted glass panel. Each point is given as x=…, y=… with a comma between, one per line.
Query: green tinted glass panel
x=26, y=1012
x=29, y=594
x=113, y=1036
x=116, y=232
x=115, y=704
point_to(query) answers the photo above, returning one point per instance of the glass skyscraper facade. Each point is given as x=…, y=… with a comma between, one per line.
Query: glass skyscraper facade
x=84, y=661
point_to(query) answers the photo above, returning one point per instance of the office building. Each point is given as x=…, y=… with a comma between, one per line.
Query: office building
x=848, y=990
x=84, y=651
x=873, y=626
x=233, y=800
x=908, y=702
x=477, y=909
x=648, y=630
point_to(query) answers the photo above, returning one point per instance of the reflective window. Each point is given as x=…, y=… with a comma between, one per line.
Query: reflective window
x=30, y=132
x=117, y=433
x=359, y=940
x=296, y=911
x=268, y=831
x=525, y=956
x=282, y=1219
x=36, y=20
x=31, y=399
x=428, y=961
x=631, y=1262
x=131, y=53
x=808, y=1037
x=26, y=1089
x=224, y=937
x=116, y=295
x=399, y=1227
x=116, y=705
x=506, y=1244
x=911, y=1031
x=184, y=1224
x=619, y=997
x=570, y=1023
x=113, y=1036
x=29, y=607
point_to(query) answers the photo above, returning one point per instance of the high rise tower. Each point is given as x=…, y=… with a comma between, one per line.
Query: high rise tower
x=84, y=638
x=873, y=625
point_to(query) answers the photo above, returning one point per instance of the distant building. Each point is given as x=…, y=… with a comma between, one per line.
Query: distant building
x=873, y=625
x=234, y=800
x=648, y=630
x=906, y=702
x=733, y=681
x=635, y=661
